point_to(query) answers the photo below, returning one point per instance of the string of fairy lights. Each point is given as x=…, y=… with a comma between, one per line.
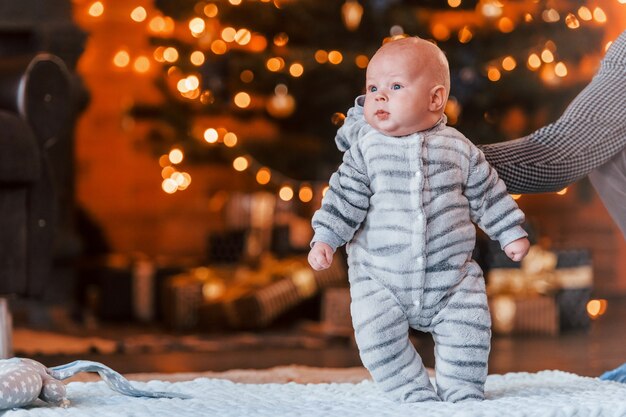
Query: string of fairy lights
x=212, y=36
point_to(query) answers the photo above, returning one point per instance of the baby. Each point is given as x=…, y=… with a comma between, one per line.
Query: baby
x=404, y=200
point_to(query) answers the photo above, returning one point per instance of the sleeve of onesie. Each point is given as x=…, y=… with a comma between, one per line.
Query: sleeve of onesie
x=346, y=202
x=491, y=206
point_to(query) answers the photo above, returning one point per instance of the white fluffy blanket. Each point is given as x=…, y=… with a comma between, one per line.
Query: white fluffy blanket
x=547, y=393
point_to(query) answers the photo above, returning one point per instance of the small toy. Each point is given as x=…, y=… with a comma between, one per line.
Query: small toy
x=24, y=380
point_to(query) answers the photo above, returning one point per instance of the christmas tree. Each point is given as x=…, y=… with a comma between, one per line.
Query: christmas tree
x=263, y=84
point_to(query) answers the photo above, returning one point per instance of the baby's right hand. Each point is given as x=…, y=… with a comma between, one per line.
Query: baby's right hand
x=320, y=256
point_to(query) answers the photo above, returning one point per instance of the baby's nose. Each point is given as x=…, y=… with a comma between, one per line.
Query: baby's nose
x=381, y=97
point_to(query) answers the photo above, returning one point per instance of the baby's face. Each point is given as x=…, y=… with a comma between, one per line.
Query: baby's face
x=398, y=86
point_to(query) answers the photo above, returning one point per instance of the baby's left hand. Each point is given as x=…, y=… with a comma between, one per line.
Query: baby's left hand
x=517, y=249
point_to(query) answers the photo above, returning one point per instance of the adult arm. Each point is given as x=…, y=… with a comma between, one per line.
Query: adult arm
x=590, y=132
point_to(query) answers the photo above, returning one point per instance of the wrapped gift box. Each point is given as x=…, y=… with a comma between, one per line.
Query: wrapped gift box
x=564, y=275
x=524, y=315
x=181, y=297
x=269, y=292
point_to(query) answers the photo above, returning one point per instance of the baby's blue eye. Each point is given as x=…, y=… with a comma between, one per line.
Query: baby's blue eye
x=396, y=87
x=373, y=89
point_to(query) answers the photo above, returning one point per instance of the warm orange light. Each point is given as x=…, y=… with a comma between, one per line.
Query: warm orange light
x=547, y=56
x=197, y=25
x=121, y=59
x=440, y=31
x=197, y=58
x=584, y=13
x=571, y=21
x=142, y=64
x=562, y=192
x=258, y=43
x=454, y=3
x=219, y=47
x=550, y=15
x=240, y=163
x=246, y=76
x=465, y=34
x=169, y=185
x=242, y=99
x=509, y=63
x=228, y=34
x=516, y=196
x=157, y=24
x=361, y=61
x=296, y=69
x=335, y=57
x=170, y=54
x=285, y=193
x=235, y=2
x=281, y=39
x=170, y=25
x=183, y=180
x=138, y=14
x=324, y=190
x=193, y=82
x=596, y=308
x=158, y=54
x=174, y=71
x=305, y=194
x=275, y=64
x=210, y=135
x=263, y=176
x=176, y=156
x=164, y=160
x=243, y=37
x=167, y=171
x=230, y=139
x=210, y=10
x=506, y=25
x=493, y=74
x=491, y=8
x=534, y=61
x=560, y=69
x=206, y=97
x=547, y=75
x=191, y=94
x=96, y=9
x=321, y=56
x=599, y=15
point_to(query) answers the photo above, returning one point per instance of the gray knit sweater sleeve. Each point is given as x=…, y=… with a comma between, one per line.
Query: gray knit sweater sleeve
x=346, y=202
x=491, y=206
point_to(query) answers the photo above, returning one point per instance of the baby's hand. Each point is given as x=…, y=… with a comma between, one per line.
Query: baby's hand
x=320, y=256
x=517, y=249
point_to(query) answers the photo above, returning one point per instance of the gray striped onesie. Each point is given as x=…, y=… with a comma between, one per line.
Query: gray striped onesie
x=406, y=206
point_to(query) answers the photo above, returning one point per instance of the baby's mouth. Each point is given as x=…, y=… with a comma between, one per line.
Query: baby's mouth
x=381, y=114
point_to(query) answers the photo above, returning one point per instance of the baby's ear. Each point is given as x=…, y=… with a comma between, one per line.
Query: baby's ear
x=438, y=98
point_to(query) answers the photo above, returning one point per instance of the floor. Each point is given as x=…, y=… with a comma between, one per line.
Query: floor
x=134, y=350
